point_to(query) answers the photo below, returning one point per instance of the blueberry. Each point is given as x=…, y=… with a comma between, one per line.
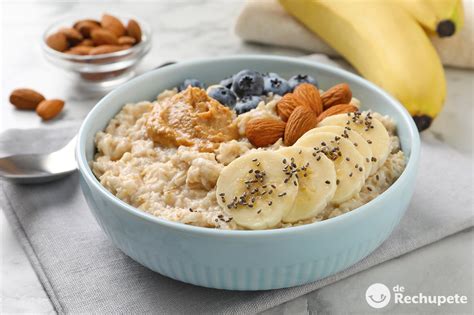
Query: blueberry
x=247, y=103
x=190, y=82
x=247, y=82
x=272, y=82
x=223, y=95
x=227, y=82
x=301, y=78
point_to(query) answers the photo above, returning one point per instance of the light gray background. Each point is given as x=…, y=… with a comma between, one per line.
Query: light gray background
x=190, y=29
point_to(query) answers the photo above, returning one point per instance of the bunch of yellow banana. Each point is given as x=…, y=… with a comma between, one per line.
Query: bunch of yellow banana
x=387, y=42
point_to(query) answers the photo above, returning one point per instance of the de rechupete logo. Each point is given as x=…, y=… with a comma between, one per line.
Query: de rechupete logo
x=378, y=295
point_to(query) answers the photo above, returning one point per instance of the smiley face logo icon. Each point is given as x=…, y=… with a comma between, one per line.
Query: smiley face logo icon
x=378, y=295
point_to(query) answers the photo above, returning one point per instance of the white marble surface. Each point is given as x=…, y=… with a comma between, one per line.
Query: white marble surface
x=191, y=29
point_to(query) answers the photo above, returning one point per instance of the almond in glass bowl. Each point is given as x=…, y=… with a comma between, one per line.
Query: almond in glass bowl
x=100, y=50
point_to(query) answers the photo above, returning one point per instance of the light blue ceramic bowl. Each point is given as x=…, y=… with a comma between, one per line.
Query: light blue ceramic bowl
x=246, y=260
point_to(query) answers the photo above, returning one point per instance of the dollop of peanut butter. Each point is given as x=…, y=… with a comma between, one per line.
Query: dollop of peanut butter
x=191, y=118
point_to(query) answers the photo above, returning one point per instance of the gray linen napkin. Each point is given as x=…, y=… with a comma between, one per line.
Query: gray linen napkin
x=82, y=271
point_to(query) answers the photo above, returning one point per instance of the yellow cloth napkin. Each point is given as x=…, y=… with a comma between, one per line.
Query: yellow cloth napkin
x=265, y=21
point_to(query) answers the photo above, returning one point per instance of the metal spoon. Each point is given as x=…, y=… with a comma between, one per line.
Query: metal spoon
x=39, y=168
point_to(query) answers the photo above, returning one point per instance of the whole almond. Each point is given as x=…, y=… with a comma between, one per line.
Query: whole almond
x=91, y=21
x=263, y=132
x=107, y=49
x=102, y=36
x=337, y=109
x=300, y=121
x=126, y=40
x=134, y=30
x=309, y=95
x=286, y=105
x=57, y=41
x=73, y=36
x=48, y=109
x=25, y=98
x=338, y=94
x=79, y=50
x=86, y=42
x=112, y=24
x=85, y=27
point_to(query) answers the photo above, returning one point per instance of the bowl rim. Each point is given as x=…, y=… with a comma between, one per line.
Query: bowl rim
x=56, y=24
x=410, y=167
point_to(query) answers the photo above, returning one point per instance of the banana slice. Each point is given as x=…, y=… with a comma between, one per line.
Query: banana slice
x=315, y=176
x=253, y=191
x=370, y=128
x=350, y=173
x=357, y=140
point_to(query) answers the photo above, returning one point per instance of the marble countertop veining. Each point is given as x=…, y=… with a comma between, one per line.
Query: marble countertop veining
x=187, y=29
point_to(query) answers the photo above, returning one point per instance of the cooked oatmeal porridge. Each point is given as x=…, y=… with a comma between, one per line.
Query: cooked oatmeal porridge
x=165, y=157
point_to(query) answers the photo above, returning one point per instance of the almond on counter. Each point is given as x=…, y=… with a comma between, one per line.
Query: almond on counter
x=48, y=109
x=25, y=98
x=31, y=100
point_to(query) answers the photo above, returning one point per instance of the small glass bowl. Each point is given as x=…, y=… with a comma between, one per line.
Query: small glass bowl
x=99, y=72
